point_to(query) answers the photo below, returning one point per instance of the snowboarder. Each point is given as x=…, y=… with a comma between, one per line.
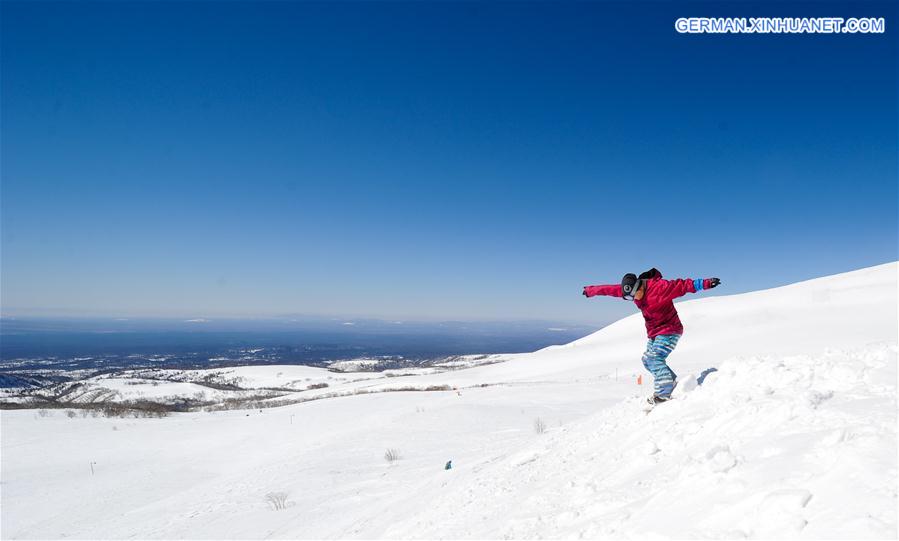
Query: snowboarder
x=654, y=297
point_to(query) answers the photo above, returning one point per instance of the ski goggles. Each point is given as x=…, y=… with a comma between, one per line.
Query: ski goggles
x=629, y=290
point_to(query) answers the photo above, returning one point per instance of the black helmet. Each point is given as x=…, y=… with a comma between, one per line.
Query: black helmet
x=629, y=285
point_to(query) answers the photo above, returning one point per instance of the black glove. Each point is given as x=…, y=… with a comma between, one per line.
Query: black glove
x=711, y=282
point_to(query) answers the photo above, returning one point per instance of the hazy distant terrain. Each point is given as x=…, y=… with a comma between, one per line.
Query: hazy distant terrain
x=38, y=353
x=154, y=367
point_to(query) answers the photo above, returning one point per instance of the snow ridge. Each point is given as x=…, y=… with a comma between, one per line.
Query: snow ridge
x=719, y=461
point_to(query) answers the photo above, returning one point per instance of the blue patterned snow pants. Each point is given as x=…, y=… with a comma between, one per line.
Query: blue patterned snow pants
x=657, y=351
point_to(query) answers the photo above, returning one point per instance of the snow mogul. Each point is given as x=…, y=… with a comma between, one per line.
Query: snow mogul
x=655, y=298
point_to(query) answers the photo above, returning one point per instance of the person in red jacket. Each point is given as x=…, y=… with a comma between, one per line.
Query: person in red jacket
x=655, y=298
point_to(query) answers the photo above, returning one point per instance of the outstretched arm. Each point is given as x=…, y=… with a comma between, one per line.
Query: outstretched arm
x=608, y=290
x=672, y=289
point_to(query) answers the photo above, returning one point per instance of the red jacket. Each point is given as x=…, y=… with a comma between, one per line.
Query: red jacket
x=657, y=303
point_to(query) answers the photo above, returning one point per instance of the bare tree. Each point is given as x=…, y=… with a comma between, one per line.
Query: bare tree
x=539, y=426
x=278, y=500
x=391, y=455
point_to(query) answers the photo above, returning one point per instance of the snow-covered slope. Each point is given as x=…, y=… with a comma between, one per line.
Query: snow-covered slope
x=792, y=433
x=767, y=447
x=226, y=388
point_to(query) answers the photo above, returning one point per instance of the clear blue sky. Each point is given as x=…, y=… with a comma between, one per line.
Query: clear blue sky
x=431, y=160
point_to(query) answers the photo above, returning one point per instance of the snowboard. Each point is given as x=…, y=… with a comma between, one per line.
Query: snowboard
x=681, y=388
x=651, y=402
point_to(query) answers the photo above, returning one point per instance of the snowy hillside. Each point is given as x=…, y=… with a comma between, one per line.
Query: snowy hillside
x=791, y=434
x=232, y=387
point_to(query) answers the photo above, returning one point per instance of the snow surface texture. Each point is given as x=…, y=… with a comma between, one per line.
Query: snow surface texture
x=783, y=426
